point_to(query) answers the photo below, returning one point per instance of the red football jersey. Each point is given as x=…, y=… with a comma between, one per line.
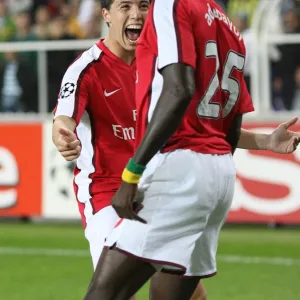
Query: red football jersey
x=199, y=34
x=98, y=92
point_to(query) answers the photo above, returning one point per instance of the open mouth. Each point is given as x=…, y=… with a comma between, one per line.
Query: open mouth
x=133, y=32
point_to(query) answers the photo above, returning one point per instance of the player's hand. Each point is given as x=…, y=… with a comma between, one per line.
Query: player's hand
x=123, y=202
x=68, y=145
x=283, y=140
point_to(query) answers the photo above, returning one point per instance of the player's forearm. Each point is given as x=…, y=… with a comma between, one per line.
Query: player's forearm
x=62, y=122
x=253, y=141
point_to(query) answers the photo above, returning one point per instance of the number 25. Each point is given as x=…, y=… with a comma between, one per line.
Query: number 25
x=208, y=108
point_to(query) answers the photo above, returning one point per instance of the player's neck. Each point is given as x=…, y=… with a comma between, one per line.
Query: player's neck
x=116, y=49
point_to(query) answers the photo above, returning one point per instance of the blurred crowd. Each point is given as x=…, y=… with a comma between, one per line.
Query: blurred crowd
x=284, y=59
x=285, y=66
x=40, y=20
x=27, y=20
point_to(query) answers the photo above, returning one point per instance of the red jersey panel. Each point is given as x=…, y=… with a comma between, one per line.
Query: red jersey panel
x=98, y=92
x=199, y=34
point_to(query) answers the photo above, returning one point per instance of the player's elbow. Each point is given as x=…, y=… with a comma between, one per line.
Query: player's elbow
x=178, y=98
x=183, y=91
x=179, y=81
x=188, y=91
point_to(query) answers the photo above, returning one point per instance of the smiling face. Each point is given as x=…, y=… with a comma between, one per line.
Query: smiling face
x=126, y=19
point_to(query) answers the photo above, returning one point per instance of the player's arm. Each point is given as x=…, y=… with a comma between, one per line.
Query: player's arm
x=253, y=141
x=233, y=136
x=62, y=122
x=178, y=90
x=281, y=140
x=176, y=63
x=69, y=110
x=64, y=138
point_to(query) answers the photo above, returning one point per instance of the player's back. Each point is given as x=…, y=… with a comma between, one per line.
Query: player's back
x=203, y=37
x=220, y=88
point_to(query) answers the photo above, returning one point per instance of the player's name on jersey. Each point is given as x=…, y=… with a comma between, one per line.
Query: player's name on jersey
x=214, y=13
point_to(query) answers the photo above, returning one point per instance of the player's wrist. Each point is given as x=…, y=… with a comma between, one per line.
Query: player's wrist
x=267, y=144
x=262, y=141
x=133, y=172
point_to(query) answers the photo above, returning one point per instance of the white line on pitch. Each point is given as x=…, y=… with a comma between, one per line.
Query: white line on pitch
x=282, y=261
x=43, y=252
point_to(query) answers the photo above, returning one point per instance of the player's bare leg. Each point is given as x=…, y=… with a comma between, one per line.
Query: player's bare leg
x=200, y=292
x=118, y=276
x=171, y=287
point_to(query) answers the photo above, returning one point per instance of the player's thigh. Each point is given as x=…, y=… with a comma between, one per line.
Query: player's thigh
x=98, y=228
x=203, y=260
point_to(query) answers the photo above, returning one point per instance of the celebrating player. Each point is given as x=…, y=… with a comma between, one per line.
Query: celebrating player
x=95, y=121
x=191, y=96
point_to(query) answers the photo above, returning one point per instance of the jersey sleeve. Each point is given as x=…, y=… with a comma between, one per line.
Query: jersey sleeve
x=245, y=102
x=73, y=96
x=175, y=38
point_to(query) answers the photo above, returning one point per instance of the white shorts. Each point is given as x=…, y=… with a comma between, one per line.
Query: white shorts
x=186, y=198
x=98, y=228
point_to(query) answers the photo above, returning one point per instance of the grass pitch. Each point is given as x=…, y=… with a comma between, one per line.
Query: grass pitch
x=51, y=262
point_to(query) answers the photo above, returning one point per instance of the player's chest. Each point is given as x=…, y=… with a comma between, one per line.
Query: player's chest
x=115, y=96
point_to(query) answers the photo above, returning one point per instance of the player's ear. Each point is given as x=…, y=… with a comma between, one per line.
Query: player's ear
x=106, y=15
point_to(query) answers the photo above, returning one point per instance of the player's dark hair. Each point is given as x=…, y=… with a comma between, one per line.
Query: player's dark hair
x=106, y=4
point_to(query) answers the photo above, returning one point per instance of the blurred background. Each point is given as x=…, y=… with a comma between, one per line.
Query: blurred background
x=43, y=253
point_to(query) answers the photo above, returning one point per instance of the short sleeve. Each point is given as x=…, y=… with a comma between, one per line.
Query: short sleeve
x=175, y=37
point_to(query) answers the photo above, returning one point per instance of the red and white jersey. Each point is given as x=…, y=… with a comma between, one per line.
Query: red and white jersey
x=98, y=91
x=199, y=34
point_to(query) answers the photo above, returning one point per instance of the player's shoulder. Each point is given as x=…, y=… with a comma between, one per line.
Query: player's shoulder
x=192, y=6
x=192, y=10
x=82, y=65
x=205, y=7
x=219, y=23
